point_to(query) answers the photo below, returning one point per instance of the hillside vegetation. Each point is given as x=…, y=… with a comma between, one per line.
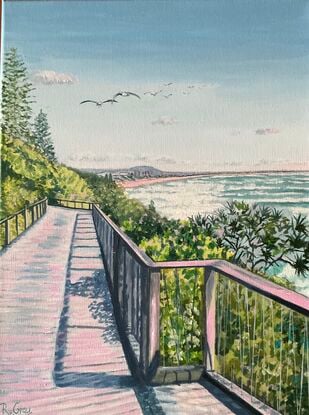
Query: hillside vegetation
x=27, y=176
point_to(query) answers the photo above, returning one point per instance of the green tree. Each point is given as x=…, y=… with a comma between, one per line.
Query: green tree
x=260, y=237
x=42, y=136
x=16, y=98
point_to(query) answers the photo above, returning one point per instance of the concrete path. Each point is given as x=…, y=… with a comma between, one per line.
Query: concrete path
x=60, y=351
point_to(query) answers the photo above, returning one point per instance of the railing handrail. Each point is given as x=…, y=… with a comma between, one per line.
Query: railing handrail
x=140, y=255
x=71, y=200
x=22, y=210
x=254, y=282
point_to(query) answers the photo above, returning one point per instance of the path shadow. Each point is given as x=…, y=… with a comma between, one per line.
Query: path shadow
x=93, y=285
x=101, y=308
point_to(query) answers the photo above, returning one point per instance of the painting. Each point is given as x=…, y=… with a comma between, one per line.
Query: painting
x=154, y=234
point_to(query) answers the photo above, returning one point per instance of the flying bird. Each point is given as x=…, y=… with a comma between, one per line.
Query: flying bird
x=191, y=86
x=167, y=96
x=170, y=83
x=125, y=94
x=153, y=93
x=98, y=103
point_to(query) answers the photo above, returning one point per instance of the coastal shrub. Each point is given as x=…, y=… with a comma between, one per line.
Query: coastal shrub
x=260, y=345
x=259, y=236
x=138, y=221
x=181, y=291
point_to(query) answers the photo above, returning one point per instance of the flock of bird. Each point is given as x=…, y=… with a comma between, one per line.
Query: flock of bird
x=133, y=94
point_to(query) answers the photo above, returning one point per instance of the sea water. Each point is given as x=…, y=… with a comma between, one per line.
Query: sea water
x=287, y=192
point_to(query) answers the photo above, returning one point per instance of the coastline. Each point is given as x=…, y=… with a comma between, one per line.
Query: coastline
x=129, y=184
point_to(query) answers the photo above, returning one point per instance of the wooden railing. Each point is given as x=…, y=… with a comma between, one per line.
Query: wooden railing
x=184, y=319
x=72, y=204
x=250, y=335
x=14, y=225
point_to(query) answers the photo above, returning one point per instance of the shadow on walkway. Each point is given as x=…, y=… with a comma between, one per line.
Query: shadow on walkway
x=88, y=338
x=92, y=285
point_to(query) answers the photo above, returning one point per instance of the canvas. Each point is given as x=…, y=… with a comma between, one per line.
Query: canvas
x=154, y=207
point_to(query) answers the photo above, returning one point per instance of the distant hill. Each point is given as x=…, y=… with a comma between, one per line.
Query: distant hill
x=135, y=172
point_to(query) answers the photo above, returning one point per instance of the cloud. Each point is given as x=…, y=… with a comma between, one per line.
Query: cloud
x=165, y=120
x=211, y=85
x=54, y=78
x=86, y=157
x=266, y=131
x=150, y=159
x=166, y=160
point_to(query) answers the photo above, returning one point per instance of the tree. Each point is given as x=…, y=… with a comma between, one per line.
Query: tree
x=41, y=137
x=260, y=237
x=16, y=98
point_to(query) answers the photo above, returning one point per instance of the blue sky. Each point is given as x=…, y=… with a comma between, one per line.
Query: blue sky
x=247, y=60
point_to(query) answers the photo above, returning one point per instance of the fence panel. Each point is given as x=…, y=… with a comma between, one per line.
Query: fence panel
x=14, y=225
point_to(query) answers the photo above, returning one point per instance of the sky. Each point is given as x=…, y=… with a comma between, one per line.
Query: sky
x=238, y=71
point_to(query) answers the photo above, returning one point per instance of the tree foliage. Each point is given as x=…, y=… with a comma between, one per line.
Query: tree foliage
x=27, y=175
x=41, y=136
x=259, y=236
x=16, y=98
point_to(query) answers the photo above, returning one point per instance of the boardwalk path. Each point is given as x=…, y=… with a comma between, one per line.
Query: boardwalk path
x=59, y=348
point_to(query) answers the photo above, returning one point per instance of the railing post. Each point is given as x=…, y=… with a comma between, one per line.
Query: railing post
x=32, y=215
x=150, y=324
x=209, y=318
x=154, y=321
x=6, y=233
x=16, y=225
x=114, y=271
x=25, y=217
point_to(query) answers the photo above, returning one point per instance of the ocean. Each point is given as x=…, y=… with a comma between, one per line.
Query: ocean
x=180, y=199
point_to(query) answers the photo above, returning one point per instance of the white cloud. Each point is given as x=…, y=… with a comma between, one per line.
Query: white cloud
x=165, y=160
x=211, y=85
x=164, y=120
x=47, y=77
x=266, y=131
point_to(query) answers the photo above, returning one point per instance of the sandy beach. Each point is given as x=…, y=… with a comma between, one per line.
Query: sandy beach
x=129, y=184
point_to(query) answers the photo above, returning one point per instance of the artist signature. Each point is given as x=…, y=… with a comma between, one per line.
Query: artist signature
x=16, y=409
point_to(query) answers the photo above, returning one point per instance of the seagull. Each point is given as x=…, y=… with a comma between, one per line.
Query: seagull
x=191, y=86
x=98, y=103
x=153, y=93
x=167, y=96
x=125, y=94
x=170, y=83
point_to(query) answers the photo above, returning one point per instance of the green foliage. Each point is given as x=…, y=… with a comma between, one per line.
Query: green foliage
x=137, y=220
x=181, y=291
x=41, y=136
x=27, y=175
x=259, y=236
x=261, y=346
x=16, y=98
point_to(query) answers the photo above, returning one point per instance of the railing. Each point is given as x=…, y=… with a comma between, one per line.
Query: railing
x=72, y=204
x=14, y=225
x=182, y=319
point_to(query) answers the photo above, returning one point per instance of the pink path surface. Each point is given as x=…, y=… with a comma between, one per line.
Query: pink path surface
x=59, y=347
x=34, y=270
